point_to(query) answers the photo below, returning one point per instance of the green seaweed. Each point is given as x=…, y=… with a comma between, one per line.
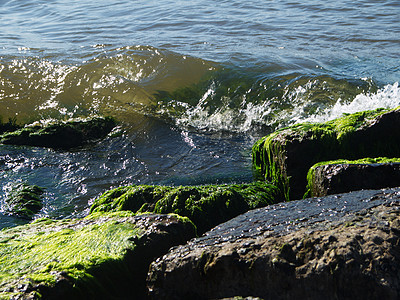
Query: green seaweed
x=60, y=135
x=24, y=200
x=270, y=153
x=284, y=157
x=45, y=250
x=206, y=206
x=102, y=256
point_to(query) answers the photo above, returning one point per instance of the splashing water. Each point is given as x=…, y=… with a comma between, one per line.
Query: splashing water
x=193, y=85
x=387, y=97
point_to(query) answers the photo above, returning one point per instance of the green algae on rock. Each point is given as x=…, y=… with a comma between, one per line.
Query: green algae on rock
x=285, y=156
x=24, y=200
x=341, y=176
x=10, y=125
x=60, y=135
x=103, y=256
x=207, y=206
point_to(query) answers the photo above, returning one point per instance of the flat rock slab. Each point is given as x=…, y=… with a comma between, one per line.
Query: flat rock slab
x=336, y=247
x=104, y=256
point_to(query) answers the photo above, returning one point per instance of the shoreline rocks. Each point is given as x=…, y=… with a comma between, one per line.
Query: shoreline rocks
x=103, y=256
x=285, y=156
x=342, y=246
x=337, y=247
x=206, y=205
x=60, y=135
x=341, y=176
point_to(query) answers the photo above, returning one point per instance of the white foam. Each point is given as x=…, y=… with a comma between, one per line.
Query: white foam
x=245, y=117
x=387, y=97
x=224, y=118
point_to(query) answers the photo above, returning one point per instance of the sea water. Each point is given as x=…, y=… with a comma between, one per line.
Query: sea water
x=193, y=84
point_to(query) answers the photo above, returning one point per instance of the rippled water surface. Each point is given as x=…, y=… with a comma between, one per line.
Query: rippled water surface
x=193, y=83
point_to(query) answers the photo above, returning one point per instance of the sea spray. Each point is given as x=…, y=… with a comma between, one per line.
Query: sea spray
x=386, y=97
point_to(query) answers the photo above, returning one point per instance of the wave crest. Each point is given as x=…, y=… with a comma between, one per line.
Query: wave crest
x=136, y=82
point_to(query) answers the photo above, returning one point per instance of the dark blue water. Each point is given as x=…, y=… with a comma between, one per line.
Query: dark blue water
x=193, y=83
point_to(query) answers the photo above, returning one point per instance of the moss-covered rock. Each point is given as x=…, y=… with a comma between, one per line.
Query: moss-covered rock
x=207, y=206
x=103, y=256
x=60, y=135
x=342, y=176
x=24, y=200
x=10, y=125
x=285, y=156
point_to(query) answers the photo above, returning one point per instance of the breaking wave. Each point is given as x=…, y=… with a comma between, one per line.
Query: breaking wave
x=136, y=82
x=386, y=97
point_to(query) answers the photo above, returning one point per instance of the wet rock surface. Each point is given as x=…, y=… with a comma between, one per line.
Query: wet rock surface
x=60, y=135
x=105, y=256
x=336, y=247
x=341, y=178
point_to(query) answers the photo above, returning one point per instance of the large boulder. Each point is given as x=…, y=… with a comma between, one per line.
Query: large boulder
x=206, y=205
x=103, y=256
x=60, y=135
x=341, y=176
x=337, y=247
x=285, y=156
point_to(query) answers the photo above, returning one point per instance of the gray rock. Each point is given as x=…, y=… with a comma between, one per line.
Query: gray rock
x=342, y=178
x=336, y=247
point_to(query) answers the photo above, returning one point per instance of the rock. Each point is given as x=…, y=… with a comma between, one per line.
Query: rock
x=206, y=205
x=337, y=247
x=285, y=156
x=24, y=200
x=11, y=125
x=103, y=256
x=341, y=176
x=60, y=135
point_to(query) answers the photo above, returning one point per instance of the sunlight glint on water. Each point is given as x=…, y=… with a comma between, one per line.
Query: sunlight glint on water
x=194, y=84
